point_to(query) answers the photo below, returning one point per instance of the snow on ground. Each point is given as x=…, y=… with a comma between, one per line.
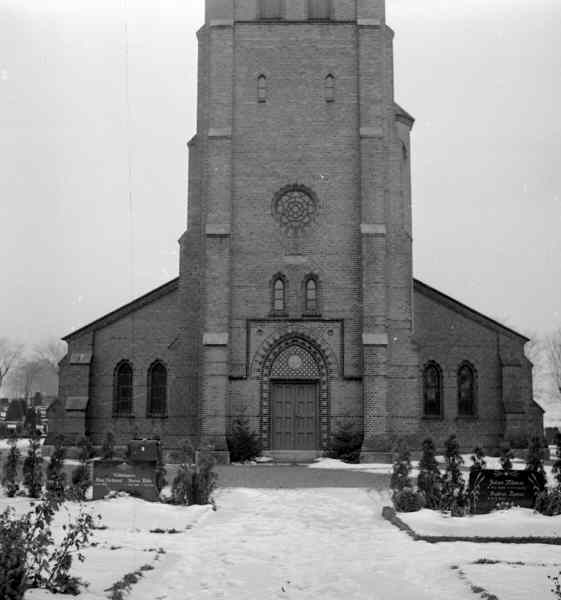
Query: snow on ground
x=516, y=522
x=298, y=533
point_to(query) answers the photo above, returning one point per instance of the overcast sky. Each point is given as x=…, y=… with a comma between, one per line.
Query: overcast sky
x=482, y=78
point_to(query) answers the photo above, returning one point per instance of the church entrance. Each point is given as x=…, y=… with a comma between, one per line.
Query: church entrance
x=295, y=408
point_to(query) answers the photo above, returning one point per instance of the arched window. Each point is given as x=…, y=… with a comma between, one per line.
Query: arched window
x=271, y=9
x=279, y=301
x=157, y=390
x=319, y=9
x=466, y=390
x=278, y=293
x=329, y=88
x=311, y=295
x=261, y=88
x=432, y=390
x=122, y=389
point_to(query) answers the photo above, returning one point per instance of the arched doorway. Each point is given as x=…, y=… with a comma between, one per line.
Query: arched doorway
x=294, y=396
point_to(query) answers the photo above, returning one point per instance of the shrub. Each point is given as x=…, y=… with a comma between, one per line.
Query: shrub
x=33, y=468
x=401, y=467
x=478, y=462
x=404, y=498
x=346, y=443
x=454, y=498
x=161, y=472
x=534, y=461
x=548, y=502
x=506, y=458
x=108, y=448
x=429, y=479
x=29, y=557
x=556, y=468
x=81, y=480
x=56, y=477
x=243, y=443
x=9, y=479
x=194, y=483
x=407, y=500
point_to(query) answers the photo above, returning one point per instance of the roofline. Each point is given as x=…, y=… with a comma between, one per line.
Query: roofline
x=468, y=311
x=126, y=309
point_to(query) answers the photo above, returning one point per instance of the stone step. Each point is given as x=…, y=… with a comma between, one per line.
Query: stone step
x=293, y=456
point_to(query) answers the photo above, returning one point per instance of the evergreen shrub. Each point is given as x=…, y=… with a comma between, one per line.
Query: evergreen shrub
x=454, y=498
x=404, y=497
x=81, y=479
x=195, y=482
x=429, y=481
x=56, y=477
x=10, y=474
x=243, y=443
x=346, y=443
x=33, y=468
x=506, y=458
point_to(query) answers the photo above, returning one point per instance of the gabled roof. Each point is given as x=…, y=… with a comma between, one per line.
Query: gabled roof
x=126, y=309
x=465, y=310
x=171, y=286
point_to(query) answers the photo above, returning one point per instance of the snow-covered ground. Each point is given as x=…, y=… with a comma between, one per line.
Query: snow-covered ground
x=297, y=533
x=516, y=522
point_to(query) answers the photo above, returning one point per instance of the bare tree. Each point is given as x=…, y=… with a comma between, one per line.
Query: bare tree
x=554, y=356
x=24, y=376
x=10, y=354
x=50, y=352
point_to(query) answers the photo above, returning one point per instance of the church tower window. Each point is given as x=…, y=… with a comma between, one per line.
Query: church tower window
x=319, y=9
x=122, y=389
x=261, y=88
x=157, y=390
x=271, y=9
x=329, y=88
x=466, y=390
x=279, y=285
x=311, y=293
x=432, y=390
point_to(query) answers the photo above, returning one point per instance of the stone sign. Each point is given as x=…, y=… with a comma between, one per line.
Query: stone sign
x=491, y=487
x=136, y=479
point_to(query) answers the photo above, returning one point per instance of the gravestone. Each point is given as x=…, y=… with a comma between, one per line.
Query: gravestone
x=490, y=487
x=137, y=479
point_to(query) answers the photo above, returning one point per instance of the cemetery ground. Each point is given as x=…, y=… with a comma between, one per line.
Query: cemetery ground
x=300, y=532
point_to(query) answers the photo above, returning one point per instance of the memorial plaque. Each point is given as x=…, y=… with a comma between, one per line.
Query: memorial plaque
x=490, y=488
x=120, y=476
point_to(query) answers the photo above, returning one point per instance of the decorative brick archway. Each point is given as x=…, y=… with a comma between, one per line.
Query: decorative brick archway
x=310, y=361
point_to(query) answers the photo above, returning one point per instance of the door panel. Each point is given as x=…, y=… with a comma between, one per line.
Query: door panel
x=294, y=415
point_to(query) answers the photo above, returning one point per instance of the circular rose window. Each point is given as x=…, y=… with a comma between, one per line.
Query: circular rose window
x=295, y=208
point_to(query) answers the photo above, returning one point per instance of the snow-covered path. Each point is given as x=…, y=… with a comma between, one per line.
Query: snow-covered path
x=323, y=542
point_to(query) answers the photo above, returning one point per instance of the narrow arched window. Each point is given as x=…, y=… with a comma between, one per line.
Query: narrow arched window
x=329, y=88
x=432, y=390
x=311, y=295
x=157, y=390
x=261, y=88
x=122, y=389
x=319, y=9
x=271, y=9
x=466, y=390
x=279, y=295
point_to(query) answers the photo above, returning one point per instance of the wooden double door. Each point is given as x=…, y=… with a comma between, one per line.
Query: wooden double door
x=295, y=415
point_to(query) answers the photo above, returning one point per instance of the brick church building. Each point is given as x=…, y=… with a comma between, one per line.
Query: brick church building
x=295, y=304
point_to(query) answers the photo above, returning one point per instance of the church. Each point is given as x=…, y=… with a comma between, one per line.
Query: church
x=295, y=307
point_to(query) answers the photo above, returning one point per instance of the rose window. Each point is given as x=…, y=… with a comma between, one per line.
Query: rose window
x=294, y=208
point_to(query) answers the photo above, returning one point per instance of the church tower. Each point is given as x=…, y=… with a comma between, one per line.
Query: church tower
x=294, y=305
x=295, y=288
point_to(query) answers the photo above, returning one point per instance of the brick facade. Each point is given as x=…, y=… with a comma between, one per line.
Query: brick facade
x=300, y=167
